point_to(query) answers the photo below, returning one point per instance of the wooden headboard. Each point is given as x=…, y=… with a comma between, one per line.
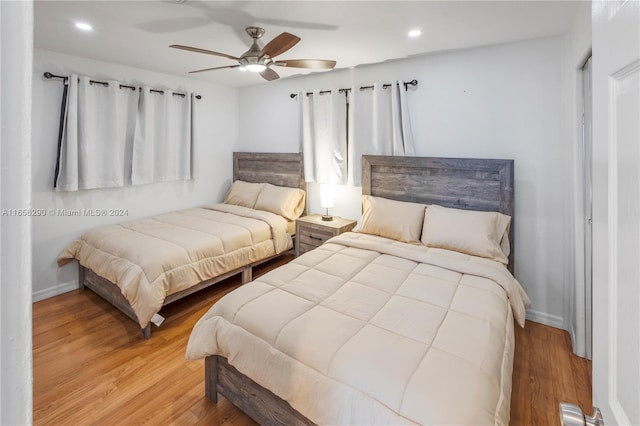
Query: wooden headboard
x=265, y=167
x=463, y=183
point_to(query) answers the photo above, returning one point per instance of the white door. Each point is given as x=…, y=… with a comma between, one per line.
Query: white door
x=616, y=210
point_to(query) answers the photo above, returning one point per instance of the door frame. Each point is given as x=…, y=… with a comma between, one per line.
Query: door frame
x=586, y=148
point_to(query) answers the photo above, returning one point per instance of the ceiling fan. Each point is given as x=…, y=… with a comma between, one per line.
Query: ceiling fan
x=259, y=59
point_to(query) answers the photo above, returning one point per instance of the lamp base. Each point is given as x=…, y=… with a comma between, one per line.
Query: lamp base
x=327, y=217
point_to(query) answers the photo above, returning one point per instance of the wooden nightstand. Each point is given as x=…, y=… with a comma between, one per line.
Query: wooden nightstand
x=312, y=231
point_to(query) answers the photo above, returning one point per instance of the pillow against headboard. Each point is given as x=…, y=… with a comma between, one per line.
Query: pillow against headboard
x=286, y=202
x=478, y=233
x=398, y=220
x=243, y=193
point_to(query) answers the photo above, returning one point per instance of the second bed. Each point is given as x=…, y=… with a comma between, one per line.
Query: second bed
x=143, y=265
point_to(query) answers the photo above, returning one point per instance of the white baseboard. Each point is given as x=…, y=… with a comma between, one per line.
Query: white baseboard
x=546, y=319
x=572, y=334
x=54, y=291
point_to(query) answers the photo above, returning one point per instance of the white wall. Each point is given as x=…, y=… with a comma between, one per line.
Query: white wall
x=214, y=134
x=503, y=101
x=16, y=35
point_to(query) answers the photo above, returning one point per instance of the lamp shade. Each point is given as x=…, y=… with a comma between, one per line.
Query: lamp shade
x=326, y=196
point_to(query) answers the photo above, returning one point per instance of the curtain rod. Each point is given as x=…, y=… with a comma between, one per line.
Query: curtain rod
x=406, y=84
x=122, y=86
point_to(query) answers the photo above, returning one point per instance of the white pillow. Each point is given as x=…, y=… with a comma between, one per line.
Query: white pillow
x=478, y=233
x=286, y=202
x=397, y=220
x=243, y=193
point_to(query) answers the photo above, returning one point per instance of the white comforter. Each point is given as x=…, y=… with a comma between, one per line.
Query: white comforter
x=366, y=330
x=152, y=258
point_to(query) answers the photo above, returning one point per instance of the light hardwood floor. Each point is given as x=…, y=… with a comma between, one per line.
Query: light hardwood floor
x=91, y=366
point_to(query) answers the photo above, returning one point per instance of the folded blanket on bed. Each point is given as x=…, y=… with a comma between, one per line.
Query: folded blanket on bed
x=152, y=258
x=367, y=330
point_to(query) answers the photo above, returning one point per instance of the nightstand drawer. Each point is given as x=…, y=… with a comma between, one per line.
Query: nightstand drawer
x=313, y=237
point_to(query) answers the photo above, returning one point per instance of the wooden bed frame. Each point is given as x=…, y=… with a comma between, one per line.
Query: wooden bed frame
x=464, y=183
x=278, y=169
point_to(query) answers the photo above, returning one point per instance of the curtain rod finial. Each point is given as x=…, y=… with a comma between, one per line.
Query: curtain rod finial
x=48, y=75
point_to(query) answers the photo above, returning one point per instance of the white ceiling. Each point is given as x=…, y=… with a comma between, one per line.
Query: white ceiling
x=138, y=33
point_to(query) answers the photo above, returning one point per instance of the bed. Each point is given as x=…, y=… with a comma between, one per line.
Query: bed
x=369, y=329
x=143, y=265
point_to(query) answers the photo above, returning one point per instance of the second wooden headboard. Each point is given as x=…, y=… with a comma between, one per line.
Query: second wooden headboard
x=282, y=169
x=463, y=183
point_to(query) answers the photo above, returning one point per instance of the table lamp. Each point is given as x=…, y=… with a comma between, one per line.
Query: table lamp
x=326, y=200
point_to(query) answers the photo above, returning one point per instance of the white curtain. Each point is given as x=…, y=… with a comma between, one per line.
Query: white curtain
x=379, y=125
x=324, y=137
x=162, y=149
x=97, y=135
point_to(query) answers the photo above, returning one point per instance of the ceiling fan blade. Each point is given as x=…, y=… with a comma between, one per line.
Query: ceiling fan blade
x=269, y=74
x=280, y=44
x=297, y=24
x=215, y=68
x=319, y=64
x=205, y=51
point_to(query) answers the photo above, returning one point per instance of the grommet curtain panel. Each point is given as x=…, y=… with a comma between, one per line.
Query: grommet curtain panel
x=162, y=145
x=97, y=135
x=339, y=126
x=113, y=135
x=324, y=137
x=379, y=125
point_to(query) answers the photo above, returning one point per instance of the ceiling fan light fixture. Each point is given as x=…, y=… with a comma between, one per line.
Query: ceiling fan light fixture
x=255, y=67
x=83, y=26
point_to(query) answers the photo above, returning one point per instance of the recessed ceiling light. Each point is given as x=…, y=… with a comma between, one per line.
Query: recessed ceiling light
x=415, y=33
x=83, y=26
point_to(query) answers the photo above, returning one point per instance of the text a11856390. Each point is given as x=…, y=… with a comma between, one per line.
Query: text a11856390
x=90, y=212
